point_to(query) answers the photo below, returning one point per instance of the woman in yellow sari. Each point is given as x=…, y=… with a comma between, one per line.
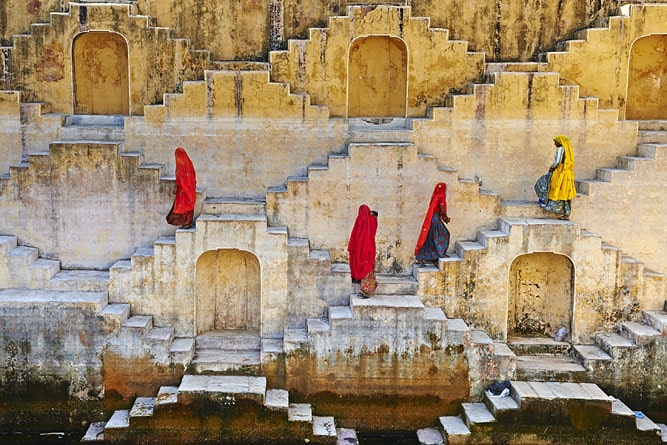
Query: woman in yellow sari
x=557, y=198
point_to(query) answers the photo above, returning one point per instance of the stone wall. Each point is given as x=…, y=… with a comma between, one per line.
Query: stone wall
x=512, y=31
x=84, y=204
x=610, y=51
x=319, y=66
x=51, y=343
x=47, y=65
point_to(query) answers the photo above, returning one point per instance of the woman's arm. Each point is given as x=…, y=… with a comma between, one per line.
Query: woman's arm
x=443, y=214
x=559, y=158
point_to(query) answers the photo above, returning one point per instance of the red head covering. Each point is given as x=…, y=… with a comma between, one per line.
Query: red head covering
x=362, y=243
x=186, y=183
x=438, y=197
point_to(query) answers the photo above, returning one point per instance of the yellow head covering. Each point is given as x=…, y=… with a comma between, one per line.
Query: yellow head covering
x=564, y=142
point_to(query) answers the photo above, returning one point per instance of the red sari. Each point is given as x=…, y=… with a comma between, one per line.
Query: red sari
x=185, y=194
x=362, y=249
x=433, y=239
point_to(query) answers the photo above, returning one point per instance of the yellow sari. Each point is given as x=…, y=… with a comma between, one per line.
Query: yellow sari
x=561, y=187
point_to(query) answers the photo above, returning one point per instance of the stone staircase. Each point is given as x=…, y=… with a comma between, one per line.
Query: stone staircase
x=652, y=135
x=583, y=406
x=227, y=350
x=380, y=130
x=652, y=144
x=188, y=63
x=221, y=397
x=515, y=236
x=107, y=128
x=25, y=278
x=393, y=322
x=22, y=267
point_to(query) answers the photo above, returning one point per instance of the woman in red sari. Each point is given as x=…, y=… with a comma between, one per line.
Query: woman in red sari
x=433, y=239
x=185, y=193
x=362, y=250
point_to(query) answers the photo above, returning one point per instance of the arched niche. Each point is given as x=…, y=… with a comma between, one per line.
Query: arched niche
x=100, y=64
x=540, y=294
x=228, y=291
x=647, y=79
x=377, y=77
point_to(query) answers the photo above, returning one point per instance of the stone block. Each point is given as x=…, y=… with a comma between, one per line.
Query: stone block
x=221, y=389
x=277, y=399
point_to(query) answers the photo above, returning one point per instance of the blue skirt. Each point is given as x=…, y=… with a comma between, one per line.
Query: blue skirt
x=437, y=241
x=542, y=191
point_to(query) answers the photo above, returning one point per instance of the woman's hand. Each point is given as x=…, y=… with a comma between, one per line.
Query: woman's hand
x=445, y=219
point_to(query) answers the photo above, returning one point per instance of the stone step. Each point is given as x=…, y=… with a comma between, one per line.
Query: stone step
x=643, y=423
x=463, y=248
x=652, y=136
x=346, y=436
x=142, y=408
x=379, y=123
x=80, y=133
x=652, y=150
x=271, y=349
x=81, y=280
x=114, y=120
x=616, y=345
x=523, y=345
x=340, y=316
x=30, y=297
x=21, y=257
x=522, y=209
x=622, y=415
x=592, y=357
x=228, y=339
x=429, y=436
x=94, y=433
x=7, y=244
x=550, y=367
x=317, y=325
x=387, y=308
x=550, y=401
x=319, y=255
x=166, y=396
x=608, y=174
x=220, y=387
x=182, y=350
x=369, y=136
x=663, y=432
x=117, y=425
x=277, y=399
x=140, y=323
x=652, y=125
x=502, y=408
x=300, y=412
x=41, y=271
x=295, y=339
x=477, y=416
x=324, y=426
x=220, y=360
x=117, y=311
x=639, y=333
x=657, y=320
x=454, y=430
x=161, y=336
x=219, y=206
x=396, y=284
